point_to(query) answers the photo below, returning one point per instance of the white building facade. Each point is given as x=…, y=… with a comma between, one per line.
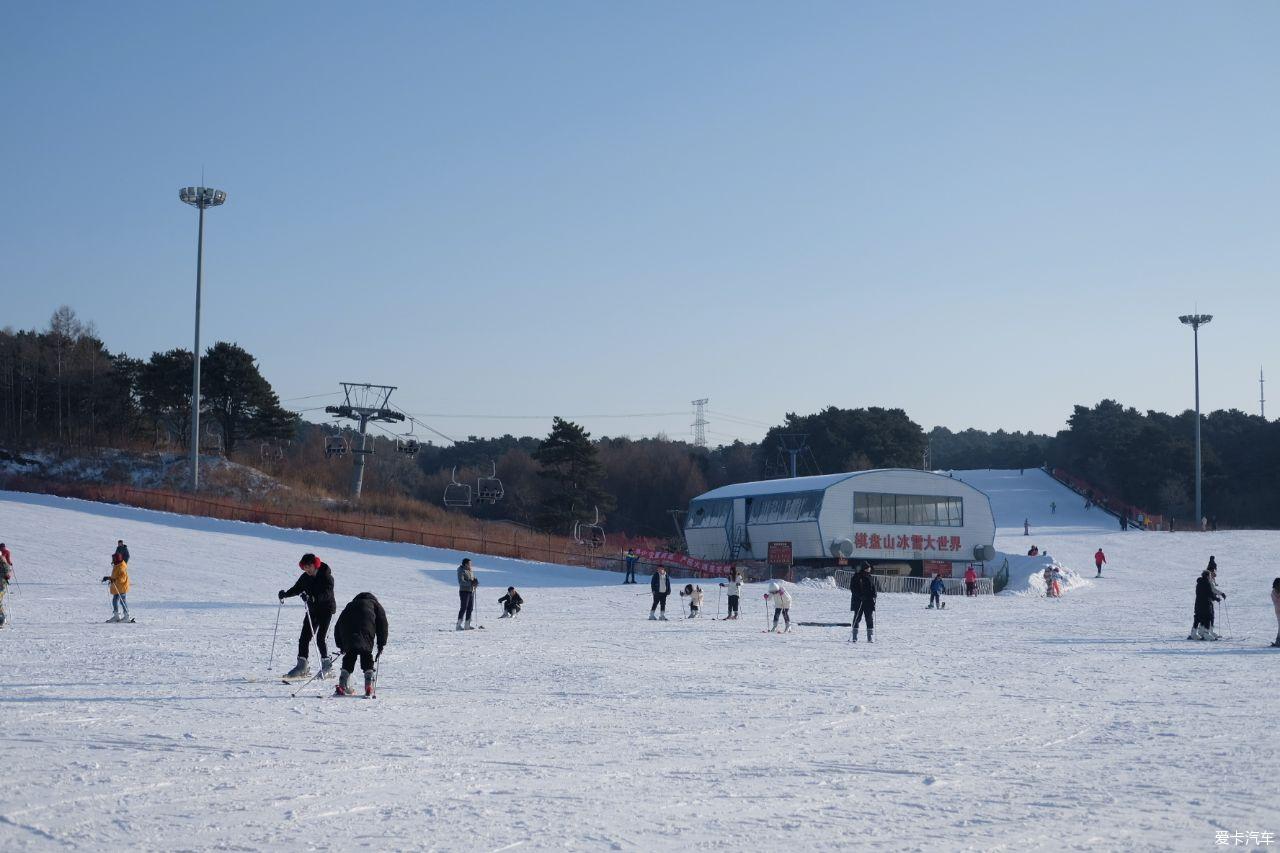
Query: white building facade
x=893, y=515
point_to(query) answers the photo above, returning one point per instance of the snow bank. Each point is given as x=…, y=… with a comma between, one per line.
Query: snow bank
x=1026, y=575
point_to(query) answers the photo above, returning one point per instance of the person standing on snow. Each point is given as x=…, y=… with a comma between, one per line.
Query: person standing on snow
x=6, y=575
x=781, y=601
x=1055, y=581
x=315, y=587
x=733, y=589
x=119, y=580
x=1099, y=560
x=1053, y=507
x=1213, y=565
x=361, y=627
x=511, y=603
x=1205, y=598
x=695, y=598
x=970, y=582
x=1026, y=527
x=467, y=584
x=936, y=586
x=122, y=549
x=660, y=585
x=862, y=600
x=631, y=560
x=4, y=552
x=1275, y=602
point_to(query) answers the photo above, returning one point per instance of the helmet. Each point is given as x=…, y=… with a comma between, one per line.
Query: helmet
x=775, y=586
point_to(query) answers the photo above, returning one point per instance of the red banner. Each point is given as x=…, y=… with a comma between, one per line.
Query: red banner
x=706, y=568
x=779, y=553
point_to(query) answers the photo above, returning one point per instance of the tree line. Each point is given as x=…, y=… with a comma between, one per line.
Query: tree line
x=63, y=387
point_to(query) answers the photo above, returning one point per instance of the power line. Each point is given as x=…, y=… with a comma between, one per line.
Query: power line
x=310, y=397
x=544, y=417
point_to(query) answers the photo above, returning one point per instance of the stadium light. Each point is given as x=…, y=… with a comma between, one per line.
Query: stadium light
x=1195, y=321
x=201, y=198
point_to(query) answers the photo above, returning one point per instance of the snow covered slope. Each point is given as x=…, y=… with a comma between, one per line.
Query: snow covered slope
x=1028, y=496
x=1018, y=722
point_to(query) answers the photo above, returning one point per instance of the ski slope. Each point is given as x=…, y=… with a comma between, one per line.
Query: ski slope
x=1014, y=722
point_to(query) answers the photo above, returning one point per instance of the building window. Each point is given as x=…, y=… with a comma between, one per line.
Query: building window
x=908, y=510
x=708, y=514
x=780, y=509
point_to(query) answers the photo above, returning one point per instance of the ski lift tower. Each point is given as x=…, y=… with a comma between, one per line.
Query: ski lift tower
x=793, y=444
x=363, y=403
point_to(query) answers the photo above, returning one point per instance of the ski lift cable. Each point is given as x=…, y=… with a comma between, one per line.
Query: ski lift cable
x=426, y=426
x=546, y=417
x=740, y=419
x=311, y=397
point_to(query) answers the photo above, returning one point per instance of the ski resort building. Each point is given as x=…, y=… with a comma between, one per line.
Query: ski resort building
x=897, y=519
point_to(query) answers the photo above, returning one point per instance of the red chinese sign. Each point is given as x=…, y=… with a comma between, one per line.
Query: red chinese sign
x=941, y=568
x=779, y=553
x=905, y=542
x=707, y=568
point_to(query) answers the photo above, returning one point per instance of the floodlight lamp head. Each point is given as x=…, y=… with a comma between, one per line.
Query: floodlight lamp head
x=202, y=197
x=1195, y=321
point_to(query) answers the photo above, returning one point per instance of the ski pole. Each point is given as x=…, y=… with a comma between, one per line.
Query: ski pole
x=271, y=662
x=717, y=603
x=766, y=613
x=305, y=683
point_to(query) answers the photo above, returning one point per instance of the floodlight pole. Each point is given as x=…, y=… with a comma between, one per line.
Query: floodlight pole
x=1195, y=321
x=200, y=198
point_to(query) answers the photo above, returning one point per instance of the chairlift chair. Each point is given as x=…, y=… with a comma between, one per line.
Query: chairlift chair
x=211, y=442
x=335, y=445
x=407, y=443
x=457, y=494
x=590, y=534
x=489, y=489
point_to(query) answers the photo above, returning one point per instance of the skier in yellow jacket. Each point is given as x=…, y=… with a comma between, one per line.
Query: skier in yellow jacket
x=119, y=580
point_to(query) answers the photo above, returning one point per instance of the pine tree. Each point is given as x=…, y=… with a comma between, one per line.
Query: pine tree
x=572, y=475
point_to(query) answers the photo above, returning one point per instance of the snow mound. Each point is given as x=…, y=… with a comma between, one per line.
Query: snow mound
x=828, y=582
x=1026, y=575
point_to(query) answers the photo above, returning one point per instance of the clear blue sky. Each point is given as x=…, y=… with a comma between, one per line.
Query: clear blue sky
x=983, y=213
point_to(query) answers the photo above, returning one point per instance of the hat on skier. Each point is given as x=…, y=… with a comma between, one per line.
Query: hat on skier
x=774, y=586
x=309, y=560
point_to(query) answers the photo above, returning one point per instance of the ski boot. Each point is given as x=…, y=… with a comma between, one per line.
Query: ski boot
x=869, y=640
x=326, y=666
x=459, y=628
x=299, y=671
x=662, y=618
x=468, y=626
x=115, y=617
x=368, y=684
x=342, y=688
x=652, y=617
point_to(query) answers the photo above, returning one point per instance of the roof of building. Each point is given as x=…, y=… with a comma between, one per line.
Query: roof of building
x=791, y=485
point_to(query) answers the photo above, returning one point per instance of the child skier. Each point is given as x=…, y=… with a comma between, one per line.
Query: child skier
x=1055, y=582
x=781, y=600
x=511, y=603
x=694, y=594
x=936, y=586
x=6, y=575
x=119, y=580
x=363, y=624
x=315, y=587
x=733, y=589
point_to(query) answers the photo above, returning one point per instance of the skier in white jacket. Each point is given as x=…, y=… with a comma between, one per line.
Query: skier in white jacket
x=781, y=600
x=695, y=598
x=733, y=589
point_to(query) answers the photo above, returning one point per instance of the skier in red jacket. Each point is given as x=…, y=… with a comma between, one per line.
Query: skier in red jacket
x=970, y=581
x=1098, y=559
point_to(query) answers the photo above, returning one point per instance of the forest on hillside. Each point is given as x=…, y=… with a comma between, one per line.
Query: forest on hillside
x=61, y=388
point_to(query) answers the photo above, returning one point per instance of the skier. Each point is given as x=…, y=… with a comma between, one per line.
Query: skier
x=1055, y=581
x=1275, y=602
x=695, y=598
x=1047, y=574
x=862, y=600
x=467, y=584
x=362, y=624
x=1213, y=564
x=733, y=589
x=970, y=582
x=660, y=585
x=1026, y=527
x=1205, y=598
x=1053, y=507
x=6, y=575
x=122, y=549
x=1099, y=559
x=119, y=580
x=511, y=603
x=936, y=586
x=781, y=605
x=315, y=587
x=4, y=552
x=631, y=560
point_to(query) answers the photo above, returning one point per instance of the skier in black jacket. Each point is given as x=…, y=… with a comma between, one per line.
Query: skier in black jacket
x=510, y=603
x=122, y=549
x=362, y=625
x=315, y=586
x=1207, y=593
x=862, y=600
